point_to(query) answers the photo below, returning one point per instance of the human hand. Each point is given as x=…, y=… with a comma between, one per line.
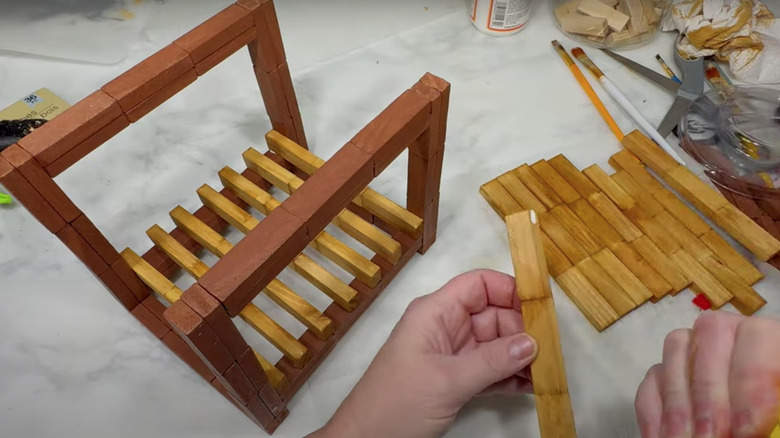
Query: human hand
x=463, y=340
x=721, y=379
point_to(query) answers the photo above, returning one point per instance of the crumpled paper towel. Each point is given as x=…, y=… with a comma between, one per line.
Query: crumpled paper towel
x=743, y=33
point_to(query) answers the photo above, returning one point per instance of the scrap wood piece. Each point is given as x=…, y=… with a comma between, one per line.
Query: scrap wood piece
x=590, y=302
x=554, y=411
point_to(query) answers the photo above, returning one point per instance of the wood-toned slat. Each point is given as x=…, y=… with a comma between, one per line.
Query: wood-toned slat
x=682, y=212
x=595, y=308
x=542, y=191
x=636, y=191
x=661, y=263
x=596, y=223
x=556, y=182
x=383, y=208
x=562, y=238
x=355, y=226
x=643, y=270
x=731, y=257
x=499, y=199
x=573, y=176
x=304, y=312
x=275, y=376
x=280, y=338
x=683, y=235
x=634, y=288
x=339, y=253
x=177, y=252
x=609, y=187
x=522, y=194
x=715, y=292
x=151, y=277
x=609, y=211
x=581, y=232
x=608, y=289
x=746, y=299
x=200, y=232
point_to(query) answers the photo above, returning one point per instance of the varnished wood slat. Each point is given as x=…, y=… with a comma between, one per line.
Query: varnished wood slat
x=573, y=176
x=661, y=263
x=521, y=193
x=579, y=290
x=499, y=199
x=636, y=191
x=643, y=270
x=581, y=232
x=557, y=263
x=383, y=208
x=626, y=161
x=608, y=289
x=731, y=257
x=653, y=229
x=746, y=299
x=596, y=223
x=280, y=338
x=747, y=232
x=151, y=277
x=556, y=182
x=355, y=226
x=538, y=309
x=682, y=212
x=200, y=232
x=542, y=191
x=634, y=288
x=715, y=292
x=683, y=235
x=227, y=210
x=177, y=252
x=609, y=211
x=610, y=188
x=275, y=376
x=304, y=312
x=562, y=238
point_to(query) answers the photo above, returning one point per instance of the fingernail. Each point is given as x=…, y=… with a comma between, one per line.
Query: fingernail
x=522, y=348
x=743, y=422
x=705, y=427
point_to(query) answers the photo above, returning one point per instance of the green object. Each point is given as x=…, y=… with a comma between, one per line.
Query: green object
x=5, y=199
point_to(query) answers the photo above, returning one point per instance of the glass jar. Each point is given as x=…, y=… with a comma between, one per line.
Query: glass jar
x=610, y=24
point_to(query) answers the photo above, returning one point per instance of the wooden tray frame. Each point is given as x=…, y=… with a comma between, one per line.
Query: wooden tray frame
x=198, y=327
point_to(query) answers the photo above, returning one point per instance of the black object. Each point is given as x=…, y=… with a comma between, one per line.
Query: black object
x=12, y=131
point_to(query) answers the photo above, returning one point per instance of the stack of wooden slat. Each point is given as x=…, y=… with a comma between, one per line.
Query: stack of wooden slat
x=610, y=22
x=614, y=242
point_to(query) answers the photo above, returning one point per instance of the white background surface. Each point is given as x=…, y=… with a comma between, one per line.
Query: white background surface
x=74, y=363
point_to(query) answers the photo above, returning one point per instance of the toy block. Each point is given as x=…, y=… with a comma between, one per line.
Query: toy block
x=605, y=233
x=757, y=240
x=443, y=87
x=607, y=287
x=81, y=150
x=770, y=207
x=581, y=232
x=270, y=171
x=162, y=96
x=293, y=350
x=431, y=142
x=573, y=176
x=120, y=290
x=592, y=305
x=687, y=240
x=148, y=77
x=347, y=258
x=766, y=222
x=208, y=308
x=649, y=153
x=639, y=21
x=225, y=51
x=661, y=263
x=612, y=214
x=522, y=194
x=554, y=180
x=654, y=281
x=562, y=238
x=385, y=209
x=227, y=210
x=148, y=320
x=215, y=32
x=180, y=348
x=280, y=102
x=616, y=20
x=633, y=286
x=746, y=300
x=238, y=384
x=369, y=235
x=128, y=277
x=655, y=230
x=394, y=129
x=259, y=413
x=199, y=335
x=267, y=52
x=26, y=194
x=237, y=278
x=96, y=239
x=423, y=186
x=251, y=365
x=75, y=125
x=525, y=244
x=536, y=302
x=331, y=188
x=151, y=277
x=338, y=291
x=715, y=292
x=25, y=164
x=584, y=25
x=82, y=249
x=177, y=252
x=557, y=263
x=545, y=194
x=154, y=306
x=304, y=312
x=747, y=205
x=610, y=188
x=679, y=210
x=626, y=161
x=696, y=191
x=637, y=192
x=202, y=233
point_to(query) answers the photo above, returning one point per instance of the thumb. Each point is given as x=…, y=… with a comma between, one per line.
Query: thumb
x=493, y=362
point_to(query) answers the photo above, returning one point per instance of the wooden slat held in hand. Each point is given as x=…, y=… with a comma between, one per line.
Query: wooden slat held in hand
x=553, y=404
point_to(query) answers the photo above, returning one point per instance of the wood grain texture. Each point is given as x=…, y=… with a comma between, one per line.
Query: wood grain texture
x=715, y=292
x=577, y=228
x=557, y=262
x=299, y=308
x=682, y=212
x=628, y=162
x=756, y=239
x=655, y=230
x=555, y=181
x=650, y=153
x=280, y=338
x=661, y=263
x=631, y=285
x=596, y=223
x=612, y=214
x=528, y=259
x=731, y=257
x=177, y=252
x=151, y=277
x=636, y=191
x=592, y=305
x=683, y=235
x=697, y=192
x=499, y=199
x=610, y=188
x=202, y=233
x=521, y=193
x=542, y=191
x=746, y=300
x=607, y=287
x=654, y=281
x=562, y=238
x=340, y=292
x=573, y=176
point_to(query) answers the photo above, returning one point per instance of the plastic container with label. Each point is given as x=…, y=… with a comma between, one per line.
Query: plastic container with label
x=610, y=24
x=500, y=17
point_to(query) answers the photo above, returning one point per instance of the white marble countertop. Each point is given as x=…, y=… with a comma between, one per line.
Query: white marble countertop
x=74, y=363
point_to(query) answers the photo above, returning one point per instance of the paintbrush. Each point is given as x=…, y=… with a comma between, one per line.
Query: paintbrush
x=625, y=103
x=667, y=69
x=588, y=90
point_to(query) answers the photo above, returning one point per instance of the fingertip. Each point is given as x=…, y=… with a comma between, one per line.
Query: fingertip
x=523, y=348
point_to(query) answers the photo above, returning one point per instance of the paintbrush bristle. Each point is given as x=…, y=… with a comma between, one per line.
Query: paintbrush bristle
x=562, y=52
x=658, y=57
x=712, y=72
x=583, y=58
